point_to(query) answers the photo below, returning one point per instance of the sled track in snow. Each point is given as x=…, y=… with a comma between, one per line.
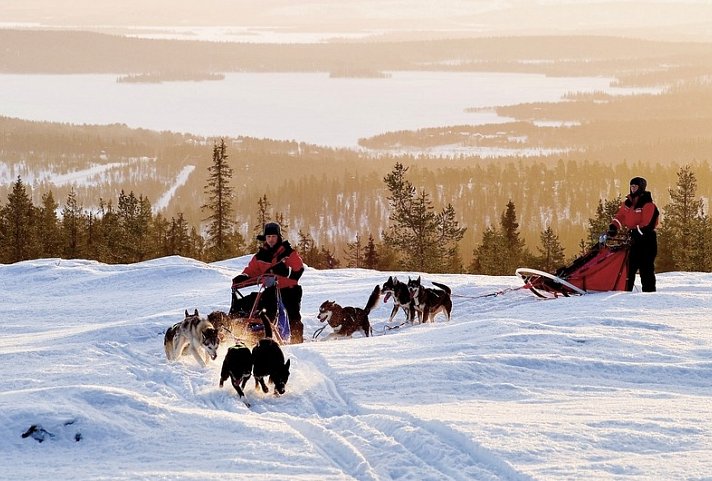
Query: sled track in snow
x=369, y=444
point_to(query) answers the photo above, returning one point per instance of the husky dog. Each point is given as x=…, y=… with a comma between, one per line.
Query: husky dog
x=237, y=366
x=401, y=297
x=347, y=320
x=427, y=301
x=268, y=360
x=193, y=333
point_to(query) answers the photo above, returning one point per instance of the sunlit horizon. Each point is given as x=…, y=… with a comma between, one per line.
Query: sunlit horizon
x=682, y=20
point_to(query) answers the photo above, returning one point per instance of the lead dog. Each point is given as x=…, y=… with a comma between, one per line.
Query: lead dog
x=237, y=366
x=347, y=320
x=428, y=301
x=401, y=298
x=195, y=334
x=268, y=360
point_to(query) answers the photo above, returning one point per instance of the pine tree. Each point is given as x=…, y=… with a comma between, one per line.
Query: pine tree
x=179, y=241
x=682, y=237
x=598, y=225
x=371, y=257
x=551, y=254
x=221, y=223
x=135, y=221
x=308, y=250
x=424, y=239
x=516, y=249
x=451, y=234
x=73, y=227
x=327, y=260
x=263, y=208
x=354, y=253
x=108, y=234
x=48, y=227
x=487, y=258
x=264, y=216
x=18, y=220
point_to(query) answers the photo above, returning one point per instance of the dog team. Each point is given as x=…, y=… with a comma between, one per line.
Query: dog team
x=277, y=268
x=262, y=357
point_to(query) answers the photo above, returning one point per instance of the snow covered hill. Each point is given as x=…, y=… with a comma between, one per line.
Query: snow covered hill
x=610, y=386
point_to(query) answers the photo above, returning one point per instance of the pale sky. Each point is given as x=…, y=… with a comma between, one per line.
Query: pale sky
x=686, y=19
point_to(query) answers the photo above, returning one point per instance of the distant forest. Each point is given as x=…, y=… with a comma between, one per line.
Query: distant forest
x=335, y=194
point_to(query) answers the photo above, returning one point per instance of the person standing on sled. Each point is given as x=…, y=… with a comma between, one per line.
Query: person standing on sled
x=276, y=256
x=639, y=214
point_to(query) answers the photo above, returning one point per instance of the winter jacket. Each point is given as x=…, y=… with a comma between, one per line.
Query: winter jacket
x=639, y=214
x=281, y=260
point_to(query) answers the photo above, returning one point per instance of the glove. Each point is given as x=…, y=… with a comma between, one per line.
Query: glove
x=612, y=230
x=238, y=280
x=280, y=269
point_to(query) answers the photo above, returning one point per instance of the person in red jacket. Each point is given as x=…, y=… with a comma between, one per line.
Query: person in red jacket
x=276, y=256
x=639, y=215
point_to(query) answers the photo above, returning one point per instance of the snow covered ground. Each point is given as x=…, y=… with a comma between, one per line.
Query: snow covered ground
x=609, y=386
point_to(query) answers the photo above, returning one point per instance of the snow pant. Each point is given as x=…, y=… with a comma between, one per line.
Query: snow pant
x=641, y=257
x=292, y=300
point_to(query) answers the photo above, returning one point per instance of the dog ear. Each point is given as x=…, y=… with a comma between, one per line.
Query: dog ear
x=196, y=313
x=286, y=364
x=186, y=313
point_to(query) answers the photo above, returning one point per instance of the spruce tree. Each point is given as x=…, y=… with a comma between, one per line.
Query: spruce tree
x=371, y=257
x=18, y=220
x=108, y=234
x=263, y=217
x=354, y=253
x=551, y=254
x=604, y=214
x=73, y=227
x=516, y=249
x=424, y=239
x=682, y=232
x=48, y=227
x=221, y=222
x=488, y=258
x=308, y=250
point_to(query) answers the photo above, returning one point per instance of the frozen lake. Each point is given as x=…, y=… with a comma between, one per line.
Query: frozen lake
x=308, y=107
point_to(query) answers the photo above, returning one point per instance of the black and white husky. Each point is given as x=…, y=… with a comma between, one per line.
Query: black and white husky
x=401, y=298
x=194, y=334
x=427, y=301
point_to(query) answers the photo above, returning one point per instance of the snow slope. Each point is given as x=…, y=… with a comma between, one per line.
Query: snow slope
x=610, y=386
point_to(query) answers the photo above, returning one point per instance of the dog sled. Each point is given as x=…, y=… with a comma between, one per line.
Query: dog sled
x=603, y=268
x=244, y=320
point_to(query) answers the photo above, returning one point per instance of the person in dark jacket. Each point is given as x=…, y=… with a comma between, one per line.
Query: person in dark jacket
x=639, y=215
x=276, y=256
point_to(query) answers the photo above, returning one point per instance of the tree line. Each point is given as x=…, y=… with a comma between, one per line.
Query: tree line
x=418, y=237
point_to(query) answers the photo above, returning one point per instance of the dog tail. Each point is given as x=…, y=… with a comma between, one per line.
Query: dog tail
x=373, y=300
x=267, y=323
x=443, y=287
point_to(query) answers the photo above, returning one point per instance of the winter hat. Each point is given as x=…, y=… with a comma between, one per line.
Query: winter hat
x=640, y=182
x=271, y=228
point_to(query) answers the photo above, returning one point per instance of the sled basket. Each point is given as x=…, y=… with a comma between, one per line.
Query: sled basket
x=603, y=268
x=246, y=312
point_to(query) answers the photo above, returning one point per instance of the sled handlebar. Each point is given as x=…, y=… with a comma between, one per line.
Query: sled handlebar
x=267, y=280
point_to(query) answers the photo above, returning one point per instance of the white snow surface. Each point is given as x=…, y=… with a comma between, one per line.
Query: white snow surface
x=606, y=386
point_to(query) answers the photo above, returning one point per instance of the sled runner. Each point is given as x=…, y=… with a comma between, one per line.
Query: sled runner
x=246, y=312
x=603, y=268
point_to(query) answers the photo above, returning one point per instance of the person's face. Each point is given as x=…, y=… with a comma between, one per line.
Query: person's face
x=633, y=188
x=271, y=240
